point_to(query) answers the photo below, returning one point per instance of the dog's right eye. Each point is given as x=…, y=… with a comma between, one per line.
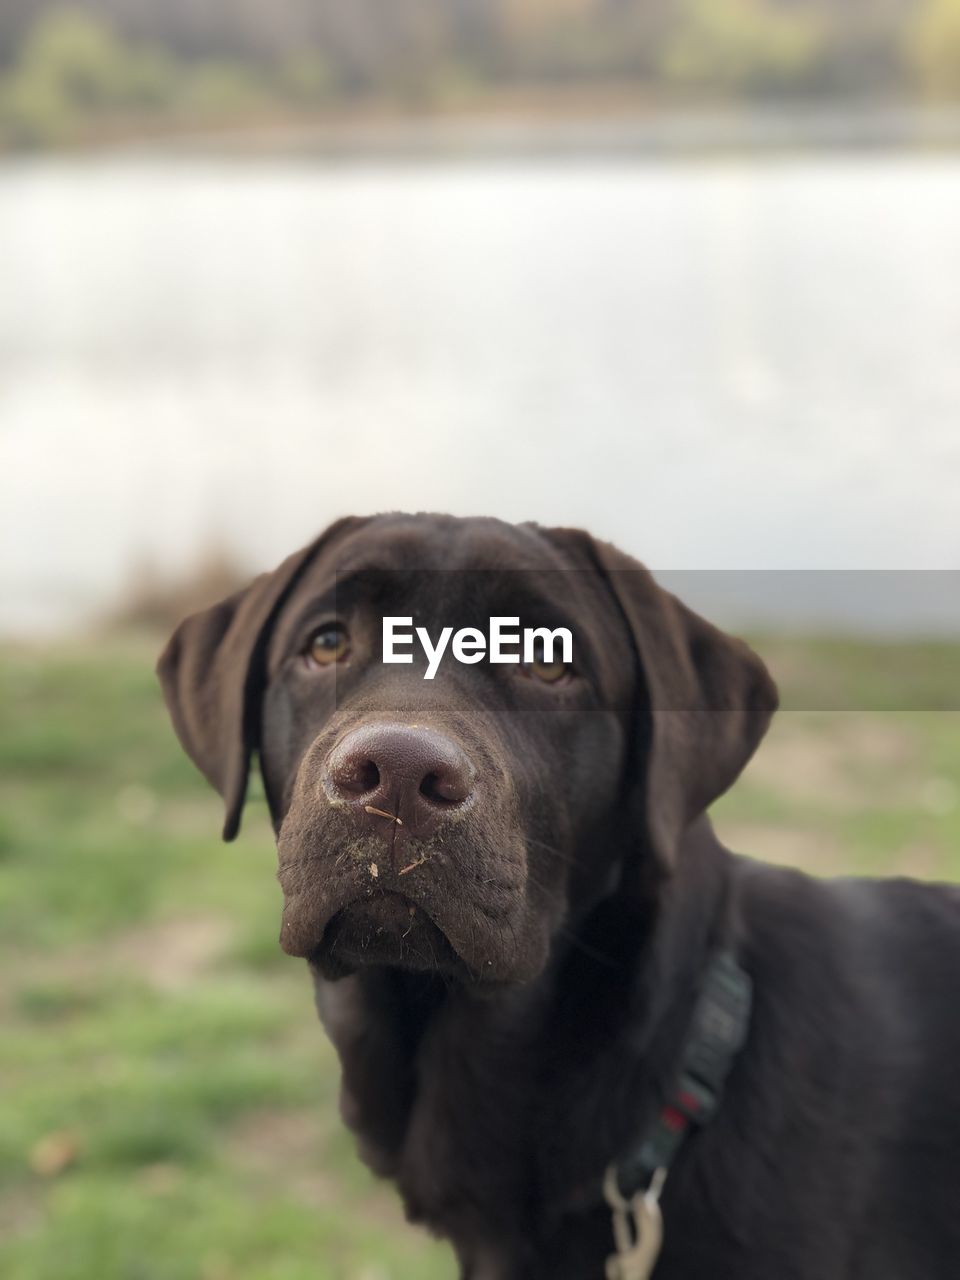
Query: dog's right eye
x=328, y=644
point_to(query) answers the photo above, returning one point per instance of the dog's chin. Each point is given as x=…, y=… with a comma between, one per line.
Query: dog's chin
x=385, y=931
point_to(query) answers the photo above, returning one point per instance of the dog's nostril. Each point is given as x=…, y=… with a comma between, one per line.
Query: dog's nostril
x=446, y=786
x=357, y=777
x=368, y=776
x=439, y=788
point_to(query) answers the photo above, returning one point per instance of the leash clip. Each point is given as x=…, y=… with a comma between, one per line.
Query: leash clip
x=637, y=1227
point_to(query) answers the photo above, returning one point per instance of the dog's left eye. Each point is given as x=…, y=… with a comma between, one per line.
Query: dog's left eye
x=328, y=644
x=549, y=672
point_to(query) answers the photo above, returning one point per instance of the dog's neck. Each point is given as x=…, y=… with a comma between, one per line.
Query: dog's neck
x=497, y=1111
x=619, y=1016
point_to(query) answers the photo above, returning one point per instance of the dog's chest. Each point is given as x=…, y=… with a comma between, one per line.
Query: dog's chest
x=467, y=1168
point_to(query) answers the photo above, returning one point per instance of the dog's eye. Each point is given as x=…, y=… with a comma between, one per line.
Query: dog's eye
x=549, y=672
x=329, y=644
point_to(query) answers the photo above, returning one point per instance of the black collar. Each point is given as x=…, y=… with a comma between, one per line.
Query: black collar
x=717, y=1032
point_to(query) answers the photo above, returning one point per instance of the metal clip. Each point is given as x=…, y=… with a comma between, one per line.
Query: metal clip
x=637, y=1227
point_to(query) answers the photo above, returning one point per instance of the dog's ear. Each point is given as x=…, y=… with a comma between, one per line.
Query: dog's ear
x=212, y=674
x=708, y=700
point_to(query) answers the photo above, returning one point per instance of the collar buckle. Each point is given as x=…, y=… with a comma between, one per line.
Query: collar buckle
x=637, y=1227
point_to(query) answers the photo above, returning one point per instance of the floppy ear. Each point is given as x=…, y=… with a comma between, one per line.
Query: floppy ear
x=709, y=700
x=212, y=676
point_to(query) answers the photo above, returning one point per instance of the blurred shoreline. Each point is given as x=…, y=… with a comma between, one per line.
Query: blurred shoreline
x=528, y=127
x=92, y=72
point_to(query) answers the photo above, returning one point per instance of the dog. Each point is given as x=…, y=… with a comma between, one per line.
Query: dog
x=561, y=1006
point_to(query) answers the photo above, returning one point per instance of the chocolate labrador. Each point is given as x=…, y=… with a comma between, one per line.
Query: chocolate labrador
x=572, y=1025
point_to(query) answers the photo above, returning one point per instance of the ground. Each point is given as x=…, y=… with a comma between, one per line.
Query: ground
x=167, y=1099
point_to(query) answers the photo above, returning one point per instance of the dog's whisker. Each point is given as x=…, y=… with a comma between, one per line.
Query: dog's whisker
x=302, y=859
x=551, y=849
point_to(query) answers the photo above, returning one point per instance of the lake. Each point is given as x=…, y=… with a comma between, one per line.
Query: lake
x=737, y=364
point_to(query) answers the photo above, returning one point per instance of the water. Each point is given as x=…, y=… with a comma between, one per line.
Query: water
x=751, y=365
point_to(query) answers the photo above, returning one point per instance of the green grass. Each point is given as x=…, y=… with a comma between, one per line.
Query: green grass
x=167, y=1098
x=151, y=1023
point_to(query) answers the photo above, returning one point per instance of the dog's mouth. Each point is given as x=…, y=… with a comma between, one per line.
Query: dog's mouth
x=459, y=905
x=388, y=929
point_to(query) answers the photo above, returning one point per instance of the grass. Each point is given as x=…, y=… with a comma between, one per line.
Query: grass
x=168, y=1102
x=167, y=1099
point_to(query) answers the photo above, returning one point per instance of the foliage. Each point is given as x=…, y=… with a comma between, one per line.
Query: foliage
x=105, y=67
x=935, y=48
x=75, y=76
x=742, y=46
x=73, y=68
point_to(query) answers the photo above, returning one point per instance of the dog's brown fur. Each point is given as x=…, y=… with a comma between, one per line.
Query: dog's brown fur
x=508, y=991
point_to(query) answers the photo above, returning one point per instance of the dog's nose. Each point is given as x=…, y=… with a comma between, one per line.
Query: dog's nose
x=408, y=772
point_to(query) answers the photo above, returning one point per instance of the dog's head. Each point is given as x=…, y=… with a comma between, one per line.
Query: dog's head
x=458, y=823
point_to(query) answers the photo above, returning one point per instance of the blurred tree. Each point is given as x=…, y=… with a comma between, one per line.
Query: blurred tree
x=216, y=91
x=935, y=48
x=523, y=19
x=307, y=78
x=741, y=46
x=71, y=65
x=67, y=72
x=80, y=55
